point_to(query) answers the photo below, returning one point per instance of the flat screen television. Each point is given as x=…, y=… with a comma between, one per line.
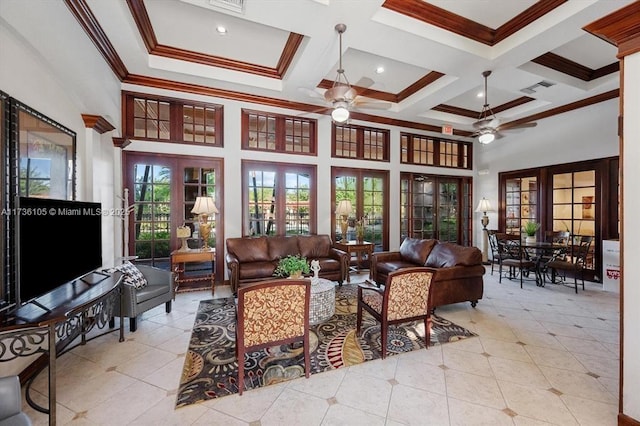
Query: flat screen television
x=59, y=241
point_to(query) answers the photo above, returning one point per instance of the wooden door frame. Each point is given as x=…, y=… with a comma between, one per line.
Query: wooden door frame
x=177, y=162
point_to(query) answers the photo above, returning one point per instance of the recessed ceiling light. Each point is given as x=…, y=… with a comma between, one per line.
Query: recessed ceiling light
x=221, y=30
x=379, y=70
x=480, y=94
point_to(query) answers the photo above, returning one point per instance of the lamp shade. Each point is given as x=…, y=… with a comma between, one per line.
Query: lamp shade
x=344, y=208
x=340, y=113
x=484, y=206
x=204, y=205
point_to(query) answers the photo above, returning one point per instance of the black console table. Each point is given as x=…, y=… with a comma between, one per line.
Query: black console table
x=56, y=320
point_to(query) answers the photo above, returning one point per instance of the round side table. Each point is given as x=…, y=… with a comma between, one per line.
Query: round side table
x=322, y=304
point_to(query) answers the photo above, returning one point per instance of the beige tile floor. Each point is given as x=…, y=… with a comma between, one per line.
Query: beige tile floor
x=543, y=356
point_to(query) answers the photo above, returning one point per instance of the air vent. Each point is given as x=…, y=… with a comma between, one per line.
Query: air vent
x=531, y=89
x=234, y=5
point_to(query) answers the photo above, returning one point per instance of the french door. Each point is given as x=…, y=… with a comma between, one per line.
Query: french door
x=434, y=207
x=162, y=192
x=368, y=192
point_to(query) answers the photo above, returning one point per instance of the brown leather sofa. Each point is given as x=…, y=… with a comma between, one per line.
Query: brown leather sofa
x=251, y=259
x=457, y=269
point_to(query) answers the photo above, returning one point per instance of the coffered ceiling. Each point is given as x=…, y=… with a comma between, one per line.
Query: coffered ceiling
x=285, y=53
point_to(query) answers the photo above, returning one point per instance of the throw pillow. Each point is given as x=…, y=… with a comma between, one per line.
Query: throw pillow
x=132, y=275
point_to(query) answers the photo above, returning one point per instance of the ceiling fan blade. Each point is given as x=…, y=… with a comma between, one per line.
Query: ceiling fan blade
x=506, y=127
x=365, y=103
x=310, y=92
x=494, y=123
x=320, y=110
x=364, y=82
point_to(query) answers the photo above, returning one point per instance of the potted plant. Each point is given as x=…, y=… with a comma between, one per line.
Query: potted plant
x=530, y=228
x=292, y=266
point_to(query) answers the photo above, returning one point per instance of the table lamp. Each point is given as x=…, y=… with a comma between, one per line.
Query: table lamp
x=484, y=206
x=343, y=210
x=204, y=207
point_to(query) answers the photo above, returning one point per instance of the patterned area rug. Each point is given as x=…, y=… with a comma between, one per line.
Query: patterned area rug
x=210, y=368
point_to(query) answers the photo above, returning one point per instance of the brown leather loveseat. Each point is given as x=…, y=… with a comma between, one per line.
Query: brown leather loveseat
x=457, y=269
x=251, y=259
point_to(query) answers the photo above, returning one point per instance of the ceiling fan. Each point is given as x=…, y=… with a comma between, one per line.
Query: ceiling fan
x=488, y=125
x=342, y=96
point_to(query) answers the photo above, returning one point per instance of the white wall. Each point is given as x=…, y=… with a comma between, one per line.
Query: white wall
x=631, y=237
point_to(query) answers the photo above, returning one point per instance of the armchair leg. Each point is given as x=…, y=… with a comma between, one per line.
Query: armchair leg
x=133, y=326
x=384, y=328
x=167, y=307
x=112, y=322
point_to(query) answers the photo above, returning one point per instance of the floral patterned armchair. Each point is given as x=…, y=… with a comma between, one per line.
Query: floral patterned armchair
x=272, y=313
x=404, y=298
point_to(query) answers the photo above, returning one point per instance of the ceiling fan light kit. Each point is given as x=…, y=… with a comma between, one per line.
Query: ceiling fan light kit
x=486, y=138
x=488, y=125
x=342, y=97
x=340, y=113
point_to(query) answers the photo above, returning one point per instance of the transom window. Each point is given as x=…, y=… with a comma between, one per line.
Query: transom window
x=172, y=120
x=263, y=131
x=430, y=151
x=362, y=143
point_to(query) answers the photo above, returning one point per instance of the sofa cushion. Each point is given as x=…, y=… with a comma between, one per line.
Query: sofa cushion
x=131, y=275
x=249, y=249
x=457, y=273
x=314, y=246
x=415, y=250
x=327, y=264
x=149, y=292
x=254, y=270
x=449, y=254
x=280, y=247
x=393, y=265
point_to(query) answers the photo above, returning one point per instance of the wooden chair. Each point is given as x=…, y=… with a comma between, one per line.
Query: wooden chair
x=272, y=313
x=576, y=263
x=404, y=298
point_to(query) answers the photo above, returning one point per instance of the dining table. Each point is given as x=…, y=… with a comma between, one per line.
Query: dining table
x=541, y=253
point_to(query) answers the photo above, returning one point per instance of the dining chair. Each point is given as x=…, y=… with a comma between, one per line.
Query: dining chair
x=513, y=256
x=576, y=263
x=557, y=237
x=404, y=298
x=492, y=235
x=272, y=313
